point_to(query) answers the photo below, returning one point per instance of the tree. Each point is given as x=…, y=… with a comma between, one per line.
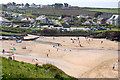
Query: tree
x=22, y=4
x=82, y=20
x=97, y=14
x=27, y=5
x=13, y=3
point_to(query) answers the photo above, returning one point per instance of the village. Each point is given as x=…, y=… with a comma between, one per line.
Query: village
x=100, y=21
x=40, y=40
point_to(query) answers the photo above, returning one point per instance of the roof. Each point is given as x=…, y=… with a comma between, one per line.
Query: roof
x=41, y=17
x=28, y=19
x=3, y=19
x=106, y=16
x=100, y=19
x=114, y=17
x=66, y=18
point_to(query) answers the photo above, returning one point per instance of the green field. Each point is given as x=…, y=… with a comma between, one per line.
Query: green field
x=1, y=32
x=112, y=10
x=15, y=69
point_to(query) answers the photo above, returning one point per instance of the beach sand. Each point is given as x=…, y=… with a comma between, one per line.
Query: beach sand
x=78, y=62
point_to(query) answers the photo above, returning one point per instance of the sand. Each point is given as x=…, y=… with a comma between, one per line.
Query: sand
x=78, y=62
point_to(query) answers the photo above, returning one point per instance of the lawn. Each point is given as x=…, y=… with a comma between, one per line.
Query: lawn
x=15, y=69
x=1, y=32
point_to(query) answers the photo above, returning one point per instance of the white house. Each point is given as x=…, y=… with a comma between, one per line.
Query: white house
x=18, y=17
x=28, y=19
x=82, y=16
x=114, y=20
x=11, y=7
x=42, y=18
x=3, y=20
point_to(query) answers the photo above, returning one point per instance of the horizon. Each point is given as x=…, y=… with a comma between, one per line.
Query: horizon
x=80, y=3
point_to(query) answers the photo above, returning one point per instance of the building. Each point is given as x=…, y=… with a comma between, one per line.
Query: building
x=58, y=5
x=42, y=19
x=66, y=5
x=114, y=20
x=3, y=20
x=105, y=16
x=28, y=19
x=18, y=17
x=82, y=16
x=101, y=21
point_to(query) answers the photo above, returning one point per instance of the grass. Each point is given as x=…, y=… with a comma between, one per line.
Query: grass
x=15, y=69
x=113, y=10
x=1, y=32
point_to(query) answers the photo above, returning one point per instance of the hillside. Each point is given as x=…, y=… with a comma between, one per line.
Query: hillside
x=15, y=69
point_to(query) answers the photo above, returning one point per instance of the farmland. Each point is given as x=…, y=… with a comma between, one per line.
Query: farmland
x=112, y=10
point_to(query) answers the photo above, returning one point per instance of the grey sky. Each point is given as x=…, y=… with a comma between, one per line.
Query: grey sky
x=81, y=3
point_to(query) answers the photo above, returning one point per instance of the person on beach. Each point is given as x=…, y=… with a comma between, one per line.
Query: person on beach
x=64, y=49
x=101, y=42
x=47, y=55
x=72, y=41
x=89, y=39
x=57, y=49
x=33, y=60
x=3, y=51
x=13, y=57
x=113, y=66
x=48, y=50
x=53, y=38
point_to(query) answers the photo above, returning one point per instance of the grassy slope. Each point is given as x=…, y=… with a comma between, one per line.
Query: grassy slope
x=15, y=69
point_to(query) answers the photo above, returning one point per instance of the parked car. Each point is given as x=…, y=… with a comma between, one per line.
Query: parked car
x=102, y=28
x=5, y=38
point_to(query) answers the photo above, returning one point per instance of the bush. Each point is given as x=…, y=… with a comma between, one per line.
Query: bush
x=17, y=21
x=49, y=31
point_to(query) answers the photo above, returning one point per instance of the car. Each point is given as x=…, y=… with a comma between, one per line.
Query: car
x=0, y=38
x=5, y=38
x=103, y=28
x=12, y=38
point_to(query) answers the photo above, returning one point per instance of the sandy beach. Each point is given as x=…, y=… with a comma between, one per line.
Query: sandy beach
x=74, y=58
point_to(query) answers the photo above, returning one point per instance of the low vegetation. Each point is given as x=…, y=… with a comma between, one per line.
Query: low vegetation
x=14, y=69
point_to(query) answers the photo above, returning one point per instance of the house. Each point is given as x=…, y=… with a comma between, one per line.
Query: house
x=114, y=20
x=105, y=16
x=68, y=19
x=89, y=22
x=18, y=17
x=82, y=16
x=101, y=21
x=58, y=5
x=65, y=25
x=11, y=7
x=3, y=20
x=28, y=19
x=42, y=19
